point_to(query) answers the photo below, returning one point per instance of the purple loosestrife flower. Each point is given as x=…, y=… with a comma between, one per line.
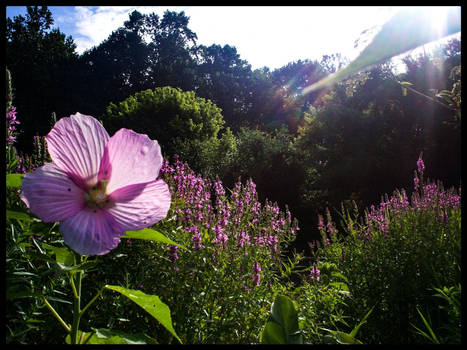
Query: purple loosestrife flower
x=196, y=238
x=97, y=186
x=256, y=275
x=420, y=164
x=244, y=239
x=315, y=272
x=11, y=121
x=173, y=253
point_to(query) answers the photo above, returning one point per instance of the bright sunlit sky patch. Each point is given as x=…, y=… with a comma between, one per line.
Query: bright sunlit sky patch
x=269, y=36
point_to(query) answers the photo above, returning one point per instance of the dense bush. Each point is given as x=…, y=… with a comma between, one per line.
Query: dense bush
x=178, y=119
x=394, y=256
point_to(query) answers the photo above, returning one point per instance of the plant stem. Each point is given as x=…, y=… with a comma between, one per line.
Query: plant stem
x=76, y=306
x=92, y=300
x=57, y=316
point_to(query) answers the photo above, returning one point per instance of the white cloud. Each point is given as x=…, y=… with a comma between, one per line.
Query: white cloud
x=263, y=35
x=95, y=24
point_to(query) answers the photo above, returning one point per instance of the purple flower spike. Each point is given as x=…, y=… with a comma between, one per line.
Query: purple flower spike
x=315, y=272
x=420, y=164
x=98, y=187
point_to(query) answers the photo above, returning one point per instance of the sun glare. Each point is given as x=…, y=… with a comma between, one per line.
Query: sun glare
x=438, y=19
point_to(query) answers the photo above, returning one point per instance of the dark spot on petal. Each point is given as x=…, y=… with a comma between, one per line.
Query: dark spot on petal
x=69, y=190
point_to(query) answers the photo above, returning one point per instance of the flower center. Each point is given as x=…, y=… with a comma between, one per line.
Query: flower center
x=96, y=197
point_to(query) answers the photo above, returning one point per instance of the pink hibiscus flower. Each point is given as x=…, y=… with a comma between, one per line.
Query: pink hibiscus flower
x=97, y=187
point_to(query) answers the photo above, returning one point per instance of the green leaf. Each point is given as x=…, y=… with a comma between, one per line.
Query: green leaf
x=14, y=180
x=151, y=304
x=340, y=285
x=354, y=331
x=273, y=333
x=283, y=325
x=19, y=291
x=407, y=30
x=63, y=256
x=150, y=235
x=10, y=214
x=345, y=338
x=82, y=337
x=342, y=338
x=110, y=336
x=427, y=325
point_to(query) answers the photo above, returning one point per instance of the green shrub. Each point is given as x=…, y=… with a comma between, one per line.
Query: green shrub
x=178, y=120
x=394, y=256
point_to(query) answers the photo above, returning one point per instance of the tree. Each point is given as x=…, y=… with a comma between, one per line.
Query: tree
x=115, y=69
x=39, y=59
x=224, y=78
x=180, y=121
x=173, y=50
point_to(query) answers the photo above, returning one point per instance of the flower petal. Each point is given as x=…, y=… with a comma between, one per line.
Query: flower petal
x=130, y=158
x=76, y=145
x=140, y=205
x=51, y=194
x=91, y=232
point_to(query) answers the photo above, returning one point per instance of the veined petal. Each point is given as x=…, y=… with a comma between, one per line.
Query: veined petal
x=130, y=158
x=76, y=145
x=91, y=232
x=140, y=205
x=51, y=194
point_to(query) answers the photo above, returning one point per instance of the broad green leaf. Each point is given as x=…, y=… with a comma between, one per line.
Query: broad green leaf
x=82, y=336
x=273, y=333
x=63, y=256
x=151, y=304
x=150, y=235
x=110, y=336
x=14, y=180
x=285, y=318
x=407, y=30
x=284, y=313
x=10, y=214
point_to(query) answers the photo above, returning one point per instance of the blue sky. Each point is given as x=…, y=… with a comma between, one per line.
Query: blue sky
x=269, y=36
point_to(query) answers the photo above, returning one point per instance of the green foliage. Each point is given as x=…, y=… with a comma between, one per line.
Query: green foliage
x=150, y=303
x=392, y=266
x=451, y=331
x=14, y=180
x=109, y=336
x=149, y=235
x=282, y=327
x=168, y=115
x=213, y=157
